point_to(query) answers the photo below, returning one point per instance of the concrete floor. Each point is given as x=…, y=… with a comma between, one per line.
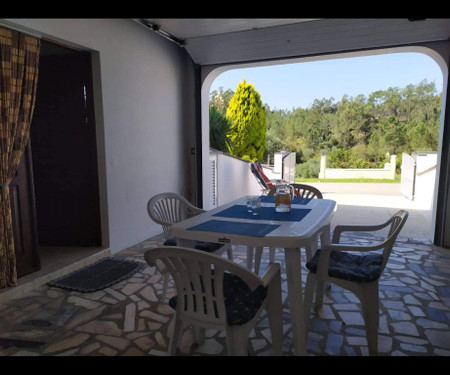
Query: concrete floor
x=367, y=203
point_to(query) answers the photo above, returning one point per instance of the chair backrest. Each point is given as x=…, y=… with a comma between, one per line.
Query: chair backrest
x=307, y=191
x=303, y=191
x=396, y=223
x=263, y=180
x=199, y=282
x=169, y=208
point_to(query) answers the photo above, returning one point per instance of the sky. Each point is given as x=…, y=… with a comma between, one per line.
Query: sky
x=297, y=85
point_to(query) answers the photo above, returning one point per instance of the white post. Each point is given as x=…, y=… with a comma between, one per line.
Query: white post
x=393, y=162
x=323, y=165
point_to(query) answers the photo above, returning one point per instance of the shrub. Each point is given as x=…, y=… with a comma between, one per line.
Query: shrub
x=308, y=169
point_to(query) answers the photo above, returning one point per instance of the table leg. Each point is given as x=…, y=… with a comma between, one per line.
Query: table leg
x=325, y=235
x=295, y=293
x=320, y=285
x=258, y=256
x=250, y=254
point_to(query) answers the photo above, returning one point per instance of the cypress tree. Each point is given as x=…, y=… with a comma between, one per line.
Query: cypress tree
x=247, y=115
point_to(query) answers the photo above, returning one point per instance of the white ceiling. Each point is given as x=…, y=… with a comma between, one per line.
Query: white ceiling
x=223, y=41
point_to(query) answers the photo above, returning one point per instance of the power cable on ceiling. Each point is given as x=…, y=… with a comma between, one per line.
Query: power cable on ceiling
x=157, y=29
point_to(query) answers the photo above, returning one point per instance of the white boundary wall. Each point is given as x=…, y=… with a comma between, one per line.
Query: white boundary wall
x=388, y=172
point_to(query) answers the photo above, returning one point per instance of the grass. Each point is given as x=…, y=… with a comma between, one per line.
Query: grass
x=359, y=180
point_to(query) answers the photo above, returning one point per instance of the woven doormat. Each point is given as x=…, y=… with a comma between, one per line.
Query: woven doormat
x=99, y=275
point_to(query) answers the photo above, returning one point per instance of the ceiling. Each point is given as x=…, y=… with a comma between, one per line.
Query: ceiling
x=218, y=41
x=186, y=28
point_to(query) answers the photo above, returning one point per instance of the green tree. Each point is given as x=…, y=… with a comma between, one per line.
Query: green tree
x=317, y=125
x=219, y=99
x=277, y=131
x=352, y=126
x=247, y=135
x=393, y=133
x=219, y=127
x=392, y=120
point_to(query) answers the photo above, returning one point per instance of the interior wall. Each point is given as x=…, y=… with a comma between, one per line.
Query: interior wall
x=144, y=88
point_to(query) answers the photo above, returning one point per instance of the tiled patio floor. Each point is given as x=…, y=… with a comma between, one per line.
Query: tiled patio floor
x=127, y=319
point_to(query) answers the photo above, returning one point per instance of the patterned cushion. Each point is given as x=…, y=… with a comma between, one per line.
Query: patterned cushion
x=209, y=247
x=352, y=267
x=241, y=303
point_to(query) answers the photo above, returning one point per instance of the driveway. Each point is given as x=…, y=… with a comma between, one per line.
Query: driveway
x=373, y=203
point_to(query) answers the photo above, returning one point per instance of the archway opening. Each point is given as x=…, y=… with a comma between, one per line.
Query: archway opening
x=336, y=66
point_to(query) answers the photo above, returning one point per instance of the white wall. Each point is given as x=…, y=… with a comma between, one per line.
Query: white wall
x=144, y=115
x=425, y=178
x=234, y=179
x=388, y=172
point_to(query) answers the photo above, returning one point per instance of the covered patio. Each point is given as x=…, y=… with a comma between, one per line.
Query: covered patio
x=150, y=94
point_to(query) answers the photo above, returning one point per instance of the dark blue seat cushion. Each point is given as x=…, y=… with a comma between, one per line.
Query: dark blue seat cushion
x=209, y=247
x=352, y=267
x=241, y=303
x=170, y=242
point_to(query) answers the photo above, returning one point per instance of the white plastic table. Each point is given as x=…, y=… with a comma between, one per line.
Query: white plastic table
x=289, y=235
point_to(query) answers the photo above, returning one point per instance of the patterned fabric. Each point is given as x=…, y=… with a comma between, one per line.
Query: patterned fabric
x=209, y=247
x=19, y=62
x=352, y=267
x=241, y=303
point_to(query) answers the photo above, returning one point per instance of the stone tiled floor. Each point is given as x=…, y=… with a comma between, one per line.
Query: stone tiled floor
x=128, y=319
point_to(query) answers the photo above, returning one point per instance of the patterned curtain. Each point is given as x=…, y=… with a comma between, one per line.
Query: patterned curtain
x=19, y=62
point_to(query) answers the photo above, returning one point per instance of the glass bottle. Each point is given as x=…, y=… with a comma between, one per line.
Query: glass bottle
x=283, y=195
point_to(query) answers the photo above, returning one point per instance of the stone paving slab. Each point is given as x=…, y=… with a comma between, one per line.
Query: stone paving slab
x=128, y=319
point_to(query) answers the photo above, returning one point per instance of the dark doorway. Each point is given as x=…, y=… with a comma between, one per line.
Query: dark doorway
x=64, y=151
x=55, y=199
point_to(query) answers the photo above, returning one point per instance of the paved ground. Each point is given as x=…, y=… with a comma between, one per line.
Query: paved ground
x=367, y=203
x=128, y=319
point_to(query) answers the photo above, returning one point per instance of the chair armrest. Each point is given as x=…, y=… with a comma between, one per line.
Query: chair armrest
x=339, y=229
x=192, y=210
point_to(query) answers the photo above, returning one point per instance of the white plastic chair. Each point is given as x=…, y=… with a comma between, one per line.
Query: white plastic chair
x=358, y=273
x=169, y=208
x=216, y=293
x=300, y=190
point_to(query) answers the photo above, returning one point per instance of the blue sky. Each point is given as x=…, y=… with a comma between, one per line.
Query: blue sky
x=289, y=86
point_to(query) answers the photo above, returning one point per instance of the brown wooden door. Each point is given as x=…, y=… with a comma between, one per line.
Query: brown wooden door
x=24, y=217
